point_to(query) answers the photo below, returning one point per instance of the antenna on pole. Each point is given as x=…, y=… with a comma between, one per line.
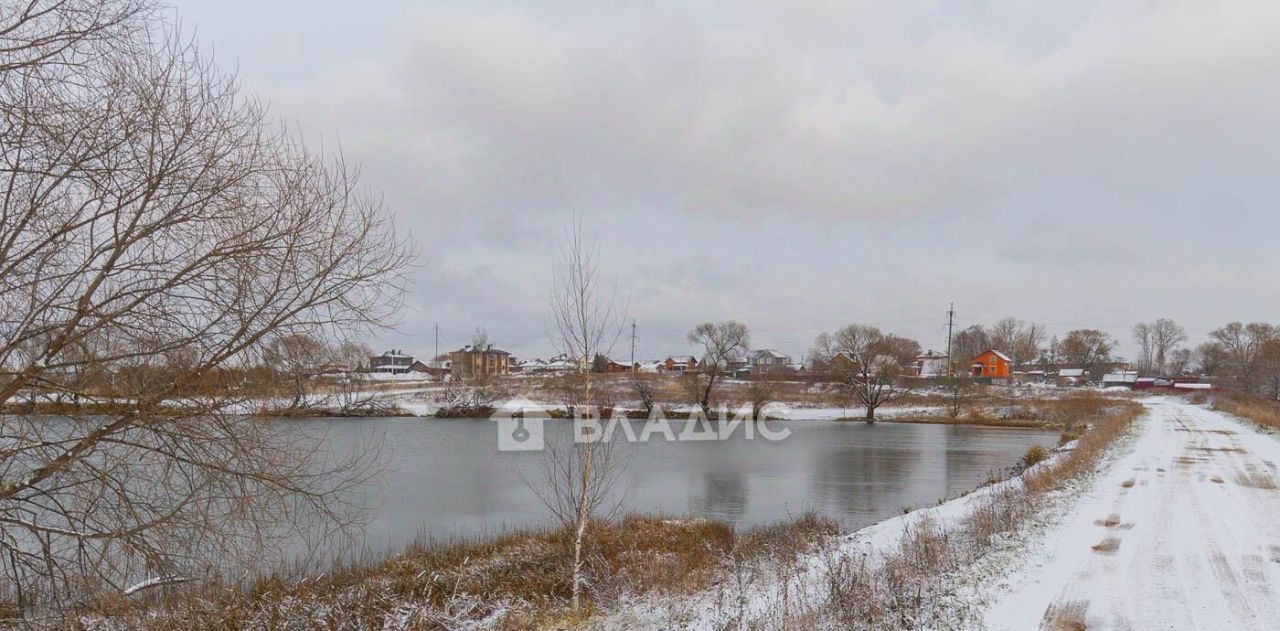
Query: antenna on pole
x=633, y=345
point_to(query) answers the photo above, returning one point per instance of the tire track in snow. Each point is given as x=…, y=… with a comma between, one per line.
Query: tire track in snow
x=1191, y=526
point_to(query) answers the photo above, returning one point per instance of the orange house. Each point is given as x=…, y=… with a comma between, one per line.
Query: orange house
x=992, y=363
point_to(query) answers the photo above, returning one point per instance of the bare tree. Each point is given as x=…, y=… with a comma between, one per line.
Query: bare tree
x=759, y=394
x=647, y=391
x=480, y=338
x=1004, y=334
x=1210, y=358
x=1142, y=336
x=720, y=343
x=1180, y=361
x=862, y=358
x=1086, y=348
x=155, y=217
x=1241, y=349
x=297, y=357
x=1166, y=335
x=587, y=322
x=1269, y=367
x=1021, y=341
x=1156, y=341
x=352, y=356
x=968, y=344
x=473, y=396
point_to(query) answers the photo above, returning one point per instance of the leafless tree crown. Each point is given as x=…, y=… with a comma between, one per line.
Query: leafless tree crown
x=156, y=231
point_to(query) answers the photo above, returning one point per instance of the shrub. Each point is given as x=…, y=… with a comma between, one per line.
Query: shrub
x=1034, y=456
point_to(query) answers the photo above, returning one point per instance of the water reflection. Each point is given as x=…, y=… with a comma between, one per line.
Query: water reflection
x=446, y=478
x=722, y=494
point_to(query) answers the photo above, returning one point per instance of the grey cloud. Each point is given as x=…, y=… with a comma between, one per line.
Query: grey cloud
x=887, y=157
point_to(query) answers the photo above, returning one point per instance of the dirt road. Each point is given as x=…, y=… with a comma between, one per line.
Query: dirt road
x=1180, y=532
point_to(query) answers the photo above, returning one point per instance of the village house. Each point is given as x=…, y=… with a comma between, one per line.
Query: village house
x=470, y=361
x=436, y=370
x=611, y=366
x=1121, y=378
x=768, y=360
x=993, y=364
x=393, y=361
x=681, y=363
x=931, y=364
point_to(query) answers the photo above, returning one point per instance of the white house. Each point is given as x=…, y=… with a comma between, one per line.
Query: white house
x=931, y=364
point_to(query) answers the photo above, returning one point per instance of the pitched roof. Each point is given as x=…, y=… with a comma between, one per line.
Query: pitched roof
x=768, y=351
x=998, y=354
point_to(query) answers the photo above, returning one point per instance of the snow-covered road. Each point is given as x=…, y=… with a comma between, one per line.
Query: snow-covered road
x=1182, y=531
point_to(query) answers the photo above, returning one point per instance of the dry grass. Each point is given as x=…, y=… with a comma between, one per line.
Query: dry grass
x=1262, y=412
x=901, y=589
x=515, y=582
x=1103, y=431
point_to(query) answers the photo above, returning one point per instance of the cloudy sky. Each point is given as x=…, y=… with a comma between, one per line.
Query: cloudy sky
x=798, y=165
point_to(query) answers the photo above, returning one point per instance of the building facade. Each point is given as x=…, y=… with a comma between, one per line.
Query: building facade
x=393, y=361
x=469, y=361
x=993, y=364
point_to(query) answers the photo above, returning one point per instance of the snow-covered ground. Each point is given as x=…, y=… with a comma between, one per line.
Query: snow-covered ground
x=1181, y=532
x=1178, y=529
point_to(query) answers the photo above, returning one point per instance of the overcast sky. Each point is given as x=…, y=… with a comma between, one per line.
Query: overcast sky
x=798, y=165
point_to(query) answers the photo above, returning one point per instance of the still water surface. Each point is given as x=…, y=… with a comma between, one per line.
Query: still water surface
x=446, y=478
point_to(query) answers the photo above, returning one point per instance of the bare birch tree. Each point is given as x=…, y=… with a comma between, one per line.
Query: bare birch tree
x=587, y=321
x=156, y=230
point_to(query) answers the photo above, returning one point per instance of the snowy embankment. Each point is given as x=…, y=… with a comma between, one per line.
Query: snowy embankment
x=1177, y=529
x=1181, y=532
x=766, y=601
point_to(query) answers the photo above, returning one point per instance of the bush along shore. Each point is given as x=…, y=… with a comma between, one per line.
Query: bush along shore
x=517, y=581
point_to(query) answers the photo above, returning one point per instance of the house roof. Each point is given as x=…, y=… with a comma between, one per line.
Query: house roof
x=770, y=352
x=998, y=354
x=1071, y=372
x=1127, y=376
x=471, y=349
x=681, y=359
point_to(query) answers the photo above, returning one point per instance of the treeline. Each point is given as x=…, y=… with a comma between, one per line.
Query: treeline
x=93, y=371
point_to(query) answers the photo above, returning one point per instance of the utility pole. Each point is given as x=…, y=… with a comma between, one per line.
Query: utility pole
x=951, y=365
x=633, y=345
x=951, y=322
x=435, y=358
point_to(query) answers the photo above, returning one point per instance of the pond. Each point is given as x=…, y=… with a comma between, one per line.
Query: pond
x=446, y=478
